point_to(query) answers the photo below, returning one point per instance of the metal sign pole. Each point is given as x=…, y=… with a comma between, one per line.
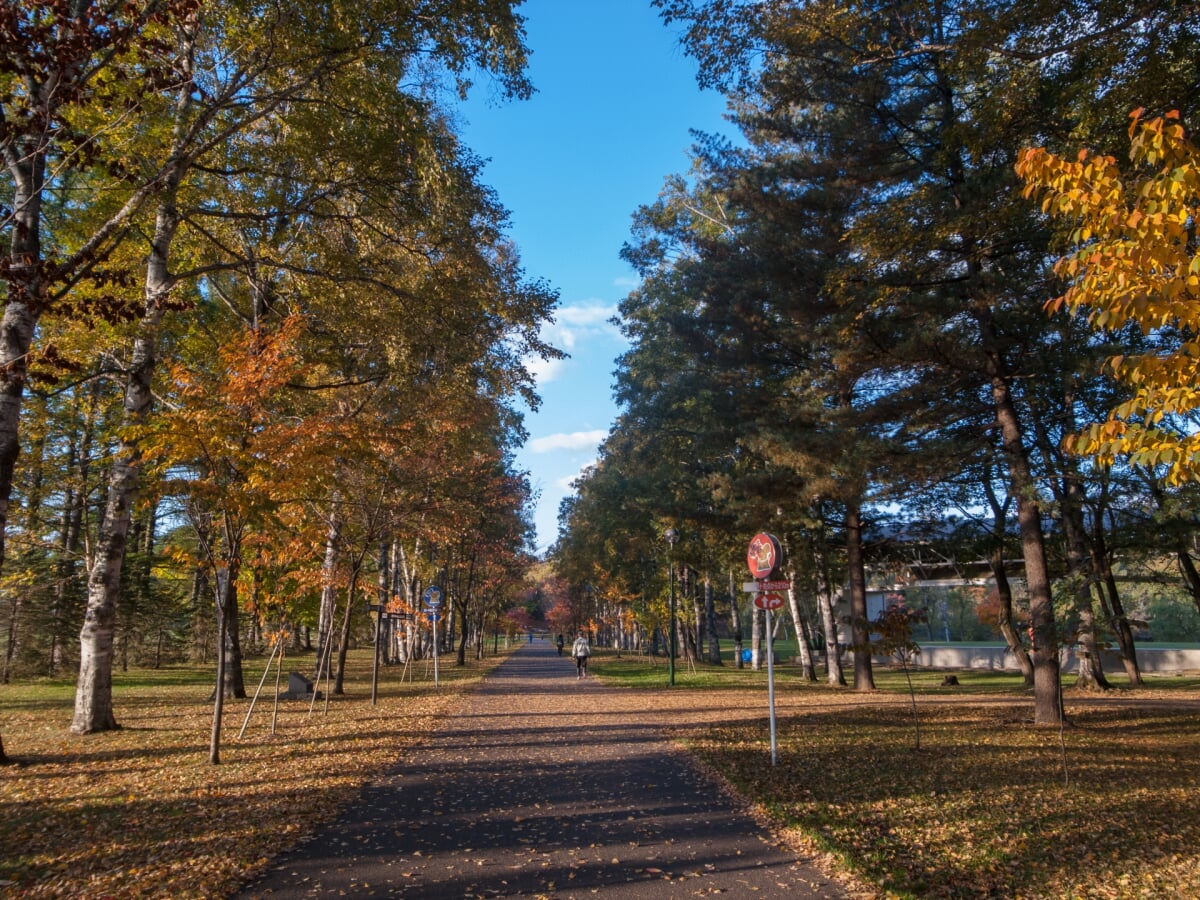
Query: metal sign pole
x=435, y=648
x=433, y=609
x=763, y=557
x=771, y=684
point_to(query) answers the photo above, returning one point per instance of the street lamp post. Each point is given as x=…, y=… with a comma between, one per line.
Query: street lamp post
x=672, y=537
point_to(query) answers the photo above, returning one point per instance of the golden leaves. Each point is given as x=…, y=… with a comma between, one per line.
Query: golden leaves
x=1135, y=260
x=139, y=812
x=982, y=810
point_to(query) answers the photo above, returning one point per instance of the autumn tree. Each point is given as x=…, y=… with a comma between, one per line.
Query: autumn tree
x=915, y=113
x=1135, y=260
x=215, y=129
x=226, y=431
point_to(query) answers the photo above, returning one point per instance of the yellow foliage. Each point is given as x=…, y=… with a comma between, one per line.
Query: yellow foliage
x=1135, y=260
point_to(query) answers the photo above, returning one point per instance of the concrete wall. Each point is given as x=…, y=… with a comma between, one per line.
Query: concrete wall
x=1152, y=661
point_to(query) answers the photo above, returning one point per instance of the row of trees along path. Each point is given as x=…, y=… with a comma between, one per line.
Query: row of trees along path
x=545, y=785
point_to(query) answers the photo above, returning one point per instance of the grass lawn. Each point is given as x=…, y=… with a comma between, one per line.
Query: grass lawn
x=969, y=798
x=986, y=806
x=140, y=812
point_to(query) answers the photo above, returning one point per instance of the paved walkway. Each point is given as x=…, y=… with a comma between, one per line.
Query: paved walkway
x=544, y=785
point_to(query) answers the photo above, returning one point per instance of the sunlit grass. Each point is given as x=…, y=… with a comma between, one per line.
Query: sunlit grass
x=989, y=805
x=140, y=812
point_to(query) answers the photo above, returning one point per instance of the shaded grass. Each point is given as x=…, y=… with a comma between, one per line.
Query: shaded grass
x=641, y=672
x=984, y=809
x=139, y=812
x=990, y=806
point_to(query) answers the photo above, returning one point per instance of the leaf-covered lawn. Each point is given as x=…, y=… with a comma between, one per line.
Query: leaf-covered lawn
x=140, y=812
x=990, y=806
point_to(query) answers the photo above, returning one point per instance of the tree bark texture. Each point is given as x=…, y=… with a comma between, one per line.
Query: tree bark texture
x=1047, y=688
x=710, y=623
x=93, y=694
x=864, y=677
x=735, y=621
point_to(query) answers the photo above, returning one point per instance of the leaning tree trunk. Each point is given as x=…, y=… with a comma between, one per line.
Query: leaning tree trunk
x=803, y=644
x=1005, y=617
x=1003, y=588
x=1114, y=607
x=339, y=680
x=1183, y=556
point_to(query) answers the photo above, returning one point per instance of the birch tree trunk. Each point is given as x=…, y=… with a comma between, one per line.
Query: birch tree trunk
x=825, y=604
x=325, y=624
x=23, y=303
x=735, y=621
x=756, y=628
x=804, y=646
x=93, y=694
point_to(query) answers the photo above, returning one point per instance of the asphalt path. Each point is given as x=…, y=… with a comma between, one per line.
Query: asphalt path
x=544, y=785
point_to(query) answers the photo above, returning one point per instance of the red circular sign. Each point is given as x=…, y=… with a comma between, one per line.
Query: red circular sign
x=764, y=555
x=768, y=601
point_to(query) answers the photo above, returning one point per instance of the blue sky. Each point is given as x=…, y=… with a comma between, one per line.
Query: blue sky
x=616, y=99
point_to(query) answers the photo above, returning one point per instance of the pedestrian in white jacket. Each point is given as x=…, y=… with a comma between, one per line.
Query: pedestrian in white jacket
x=581, y=651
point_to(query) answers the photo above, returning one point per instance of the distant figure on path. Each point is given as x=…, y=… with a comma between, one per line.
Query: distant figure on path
x=559, y=643
x=581, y=651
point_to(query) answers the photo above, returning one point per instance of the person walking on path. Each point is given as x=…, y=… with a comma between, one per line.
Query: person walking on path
x=581, y=651
x=559, y=644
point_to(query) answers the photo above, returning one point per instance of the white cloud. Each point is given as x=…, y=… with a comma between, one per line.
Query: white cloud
x=588, y=314
x=586, y=321
x=573, y=326
x=545, y=370
x=575, y=440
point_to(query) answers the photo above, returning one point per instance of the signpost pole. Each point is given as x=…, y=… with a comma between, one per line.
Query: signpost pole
x=771, y=682
x=763, y=558
x=433, y=608
x=375, y=665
